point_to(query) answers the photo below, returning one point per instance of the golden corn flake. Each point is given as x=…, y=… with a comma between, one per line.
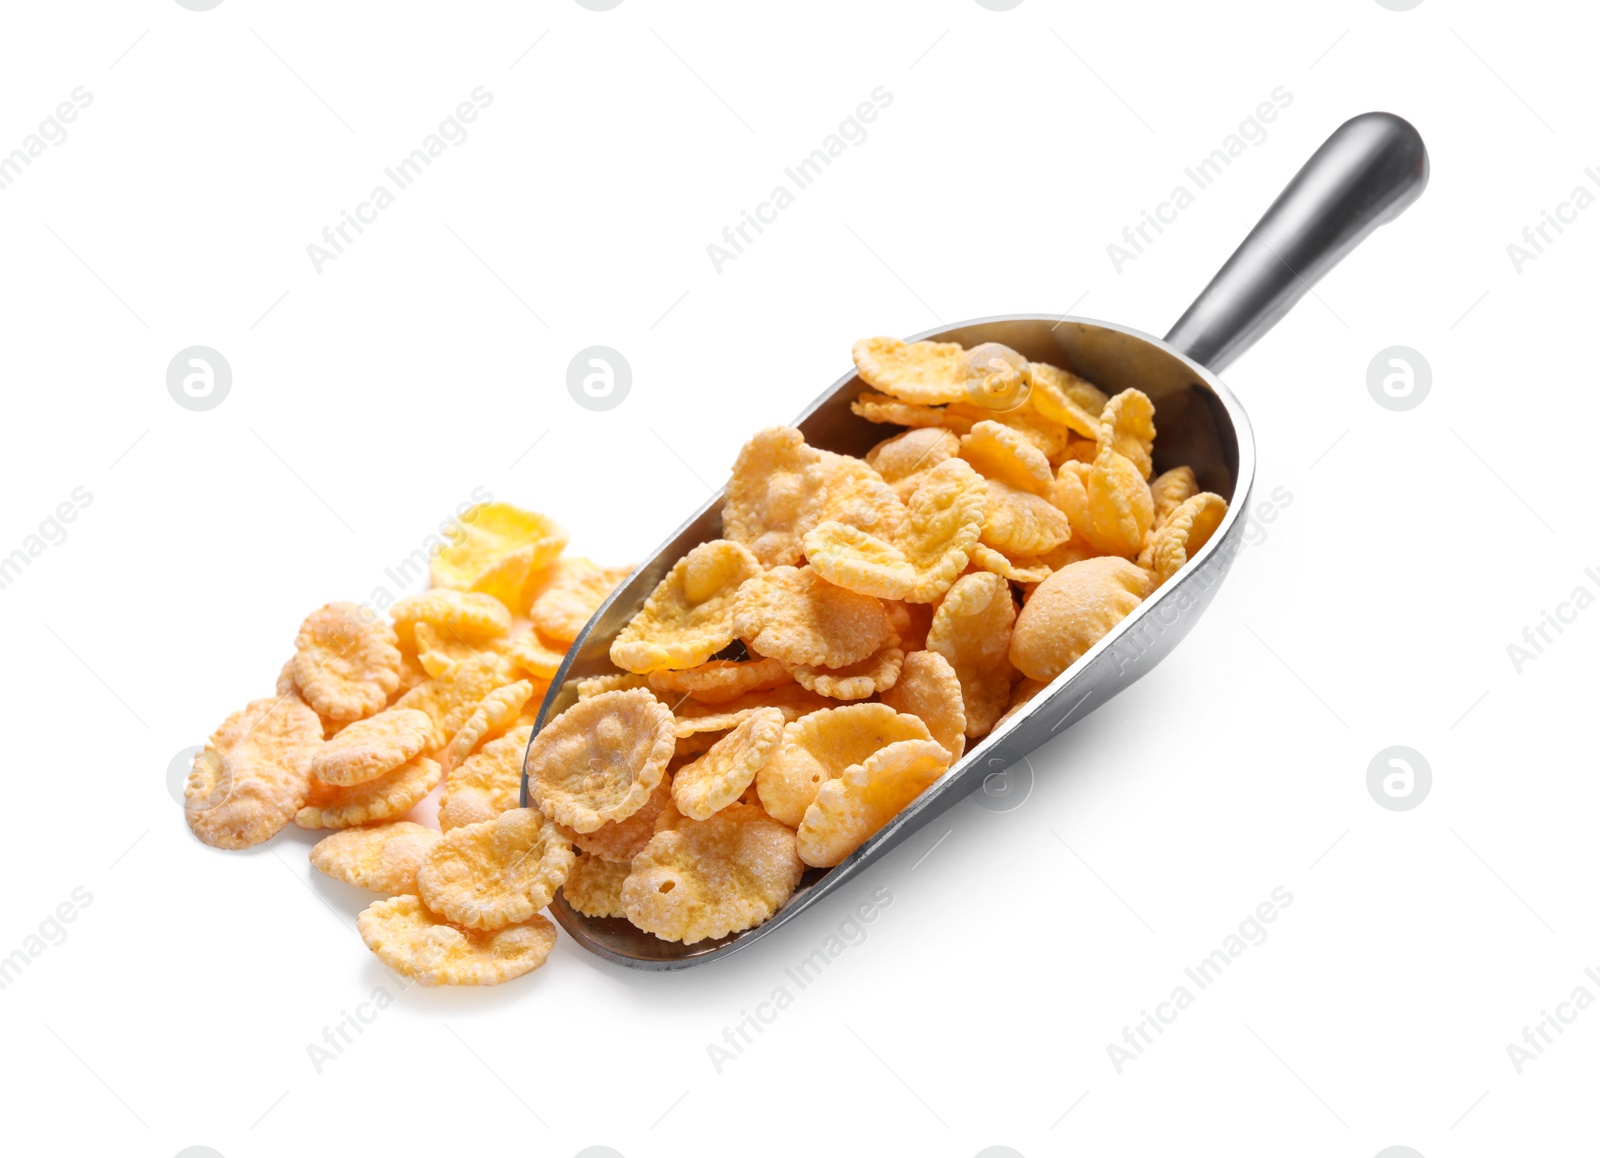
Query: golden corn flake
x=594, y=886
x=618, y=682
x=972, y=630
x=858, y=680
x=943, y=521
x=856, y=495
x=902, y=460
x=568, y=593
x=389, y=797
x=366, y=749
x=820, y=746
x=495, y=713
x=449, y=699
x=929, y=690
x=621, y=840
x=438, y=651
x=1017, y=522
x=1188, y=529
x=795, y=615
x=926, y=373
x=791, y=699
x=997, y=377
x=464, y=616
x=600, y=759
x=1120, y=507
x=853, y=807
x=1032, y=570
x=859, y=562
x=1070, y=612
x=1000, y=453
x=1169, y=490
x=775, y=495
x=486, y=783
x=689, y=617
x=418, y=944
x=718, y=681
x=533, y=655
x=497, y=873
x=346, y=662
x=721, y=776
x=883, y=409
x=1128, y=426
x=498, y=548
x=1070, y=494
x=253, y=773
x=383, y=859
x=1063, y=397
x=708, y=878
x=1049, y=437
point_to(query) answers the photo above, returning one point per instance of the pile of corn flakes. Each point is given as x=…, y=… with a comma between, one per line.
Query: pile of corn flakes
x=781, y=695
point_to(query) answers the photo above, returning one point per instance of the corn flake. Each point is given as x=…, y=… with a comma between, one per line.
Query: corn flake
x=346, y=663
x=1031, y=570
x=902, y=460
x=366, y=749
x=497, y=873
x=465, y=616
x=418, y=944
x=1070, y=612
x=600, y=759
x=721, y=776
x=388, y=797
x=853, y=807
x=925, y=373
x=1000, y=453
x=858, y=680
x=972, y=630
x=594, y=886
x=1120, y=507
x=1063, y=397
x=944, y=519
x=795, y=615
x=450, y=698
x=621, y=840
x=1170, y=490
x=495, y=713
x=486, y=783
x=859, y=562
x=707, y=878
x=1128, y=426
x=383, y=859
x=718, y=681
x=929, y=690
x=775, y=495
x=1017, y=522
x=881, y=408
x=253, y=773
x=690, y=616
x=566, y=595
x=1187, y=530
x=496, y=550
x=820, y=746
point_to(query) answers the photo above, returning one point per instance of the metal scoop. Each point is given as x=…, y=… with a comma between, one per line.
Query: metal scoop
x=1364, y=175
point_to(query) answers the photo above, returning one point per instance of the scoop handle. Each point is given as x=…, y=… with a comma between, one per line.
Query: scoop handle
x=1363, y=176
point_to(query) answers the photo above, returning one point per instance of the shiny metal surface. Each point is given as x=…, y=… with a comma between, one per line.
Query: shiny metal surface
x=1353, y=183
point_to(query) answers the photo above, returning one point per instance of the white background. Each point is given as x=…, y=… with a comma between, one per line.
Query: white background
x=370, y=398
